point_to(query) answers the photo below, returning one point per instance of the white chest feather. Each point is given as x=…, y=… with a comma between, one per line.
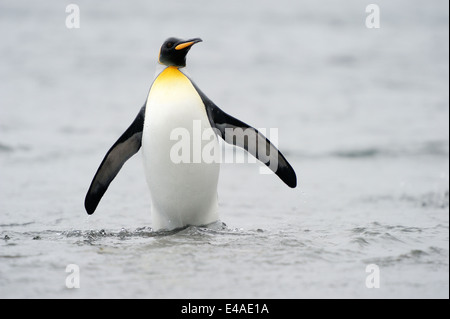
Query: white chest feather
x=182, y=193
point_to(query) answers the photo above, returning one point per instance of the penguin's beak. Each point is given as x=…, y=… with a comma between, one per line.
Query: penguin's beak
x=187, y=44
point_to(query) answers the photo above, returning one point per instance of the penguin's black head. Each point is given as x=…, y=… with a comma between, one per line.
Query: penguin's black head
x=173, y=51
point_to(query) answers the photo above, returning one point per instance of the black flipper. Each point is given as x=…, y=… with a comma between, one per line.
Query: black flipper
x=125, y=147
x=240, y=134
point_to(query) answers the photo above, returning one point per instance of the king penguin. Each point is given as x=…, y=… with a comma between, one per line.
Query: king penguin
x=182, y=192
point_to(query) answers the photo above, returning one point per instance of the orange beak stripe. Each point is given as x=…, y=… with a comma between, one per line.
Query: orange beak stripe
x=184, y=45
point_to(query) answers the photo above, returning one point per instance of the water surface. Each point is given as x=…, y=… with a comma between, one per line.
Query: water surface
x=362, y=116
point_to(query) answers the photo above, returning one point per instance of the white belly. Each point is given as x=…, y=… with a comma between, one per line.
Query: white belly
x=183, y=193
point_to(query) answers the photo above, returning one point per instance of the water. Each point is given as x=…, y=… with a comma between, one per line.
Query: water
x=362, y=117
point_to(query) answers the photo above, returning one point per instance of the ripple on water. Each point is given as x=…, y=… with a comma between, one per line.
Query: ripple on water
x=429, y=256
x=381, y=234
x=5, y=148
x=97, y=235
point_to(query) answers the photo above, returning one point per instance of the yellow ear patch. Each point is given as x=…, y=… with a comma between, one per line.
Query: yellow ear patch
x=184, y=45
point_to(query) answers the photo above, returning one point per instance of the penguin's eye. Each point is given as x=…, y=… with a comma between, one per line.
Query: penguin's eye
x=169, y=45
